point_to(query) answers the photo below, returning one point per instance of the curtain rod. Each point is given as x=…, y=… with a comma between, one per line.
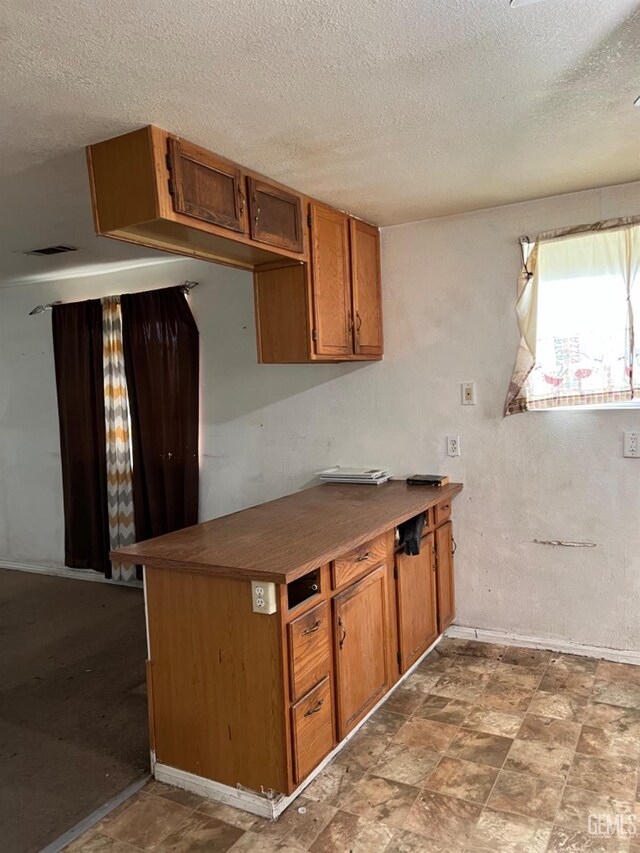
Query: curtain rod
x=39, y=309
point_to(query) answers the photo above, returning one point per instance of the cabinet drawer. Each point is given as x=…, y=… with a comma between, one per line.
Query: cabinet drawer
x=312, y=729
x=309, y=649
x=443, y=512
x=358, y=561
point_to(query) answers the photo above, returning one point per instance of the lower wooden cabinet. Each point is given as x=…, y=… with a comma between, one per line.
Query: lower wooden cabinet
x=258, y=700
x=360, y=647
x=309, y=649
x=446, y=585
x=417, y=603
x=313, y=732
x=425, y=589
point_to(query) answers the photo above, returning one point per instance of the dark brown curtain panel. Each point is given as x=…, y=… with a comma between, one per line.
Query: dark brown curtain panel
x=77, y=346
x=161, y=353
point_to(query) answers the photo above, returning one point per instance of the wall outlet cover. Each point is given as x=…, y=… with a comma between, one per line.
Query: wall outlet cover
x=453, y=445
x=468, y=393
x=263, y=597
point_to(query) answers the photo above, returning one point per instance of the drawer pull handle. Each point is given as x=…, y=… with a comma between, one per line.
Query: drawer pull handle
x=363, y=558
x=241, y=194
x=314, y=710
x=454, y=548
x=311, y=630
x=344, y=632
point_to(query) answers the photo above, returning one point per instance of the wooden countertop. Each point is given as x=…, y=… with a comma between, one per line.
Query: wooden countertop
x=283, y=539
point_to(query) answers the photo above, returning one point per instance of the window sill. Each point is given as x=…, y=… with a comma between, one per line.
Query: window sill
x=602, y=407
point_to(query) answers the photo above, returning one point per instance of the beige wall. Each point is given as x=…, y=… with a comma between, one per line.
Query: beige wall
x=449, y=291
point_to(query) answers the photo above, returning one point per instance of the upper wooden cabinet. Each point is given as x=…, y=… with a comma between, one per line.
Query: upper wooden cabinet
x=366, y=288
x=155, y=189
x=205, y=186
x=330, y=310
x=317, y=270
x=276, y=216
x=331, y=286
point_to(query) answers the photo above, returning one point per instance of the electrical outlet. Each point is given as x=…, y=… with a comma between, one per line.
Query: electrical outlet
x=263, y=597
x=468, y=393
x=631, y=446
x=453, y=445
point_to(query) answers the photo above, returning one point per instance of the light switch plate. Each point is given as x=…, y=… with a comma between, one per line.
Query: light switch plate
x=263, y=597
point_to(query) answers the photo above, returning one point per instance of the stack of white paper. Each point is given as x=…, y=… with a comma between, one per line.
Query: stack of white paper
x=359, y=476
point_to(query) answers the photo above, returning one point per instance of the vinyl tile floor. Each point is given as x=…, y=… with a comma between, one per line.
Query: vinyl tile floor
x=484, y=749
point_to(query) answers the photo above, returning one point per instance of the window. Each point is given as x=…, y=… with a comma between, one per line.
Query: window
x=580, y=290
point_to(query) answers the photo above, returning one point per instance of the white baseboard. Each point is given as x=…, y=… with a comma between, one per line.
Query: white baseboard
x=268, y=804
x=486, y=635
x=64, y=572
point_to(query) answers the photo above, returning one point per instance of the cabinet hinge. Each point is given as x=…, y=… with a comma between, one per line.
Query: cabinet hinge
x=395, y=572
x=314, y=335
x=399, y=659
x=171, y=182
x=309, y=220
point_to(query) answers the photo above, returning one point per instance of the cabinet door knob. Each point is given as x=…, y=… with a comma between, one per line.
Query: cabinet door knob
x=344, y=632
x=311, y=630
x=363, y=558
x=314, y=710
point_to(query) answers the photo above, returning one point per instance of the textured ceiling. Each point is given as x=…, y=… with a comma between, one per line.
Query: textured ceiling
x=395, y=109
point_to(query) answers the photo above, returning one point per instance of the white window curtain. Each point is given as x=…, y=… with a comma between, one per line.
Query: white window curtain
x=578, y=309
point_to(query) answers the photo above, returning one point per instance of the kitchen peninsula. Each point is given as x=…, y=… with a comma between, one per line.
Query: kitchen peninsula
x=274, y=632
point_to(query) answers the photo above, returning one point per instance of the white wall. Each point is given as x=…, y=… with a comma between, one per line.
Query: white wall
x=449, y=291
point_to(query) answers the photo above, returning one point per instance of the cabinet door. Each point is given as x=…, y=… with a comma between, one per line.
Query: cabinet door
x=366, y=284
x=275, y=216
x=331, y=281
x=206, y=187
x=444, y=572
x=360, y=628
x=416, y=594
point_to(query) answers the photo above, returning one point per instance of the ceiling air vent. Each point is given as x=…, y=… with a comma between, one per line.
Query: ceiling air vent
x=52, y=250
